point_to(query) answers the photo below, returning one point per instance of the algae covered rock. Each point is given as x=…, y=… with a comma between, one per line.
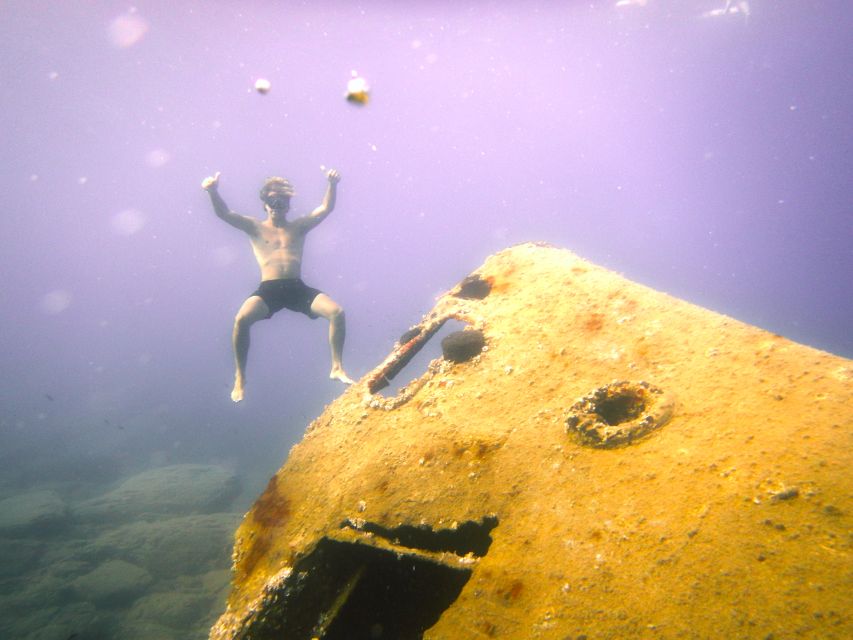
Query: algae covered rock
x=113, y=583
x=18, y=556
x=171, y=547
x=176, y=489
x=32, y=512
x=615, y=463
x=135, y=629
x=52, y=622
x=175, y=609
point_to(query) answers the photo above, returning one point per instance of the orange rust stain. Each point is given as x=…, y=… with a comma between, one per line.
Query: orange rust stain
x=256, y=550
x=488, y=628
x=512, y=592
x=479, y=449
x=499, y=286
x=642, y=349
x=484, y=448
x=272, y=509
x=594, y=322
x=502, y=282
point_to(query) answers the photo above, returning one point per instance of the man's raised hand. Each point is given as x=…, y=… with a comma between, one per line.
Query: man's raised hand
x=333, y=176
x=210, y=182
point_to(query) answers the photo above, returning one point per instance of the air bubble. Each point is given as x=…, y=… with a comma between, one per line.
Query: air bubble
x=128, y=222
x=55, y=301
x=127, y=30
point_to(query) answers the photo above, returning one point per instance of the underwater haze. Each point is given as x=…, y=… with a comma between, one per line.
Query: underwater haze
x=701, y=149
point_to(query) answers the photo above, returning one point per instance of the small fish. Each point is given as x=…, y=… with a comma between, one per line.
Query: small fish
x=49, y=397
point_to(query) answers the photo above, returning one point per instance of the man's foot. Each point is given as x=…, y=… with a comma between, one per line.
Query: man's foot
x=339, y=374
x=237, y=391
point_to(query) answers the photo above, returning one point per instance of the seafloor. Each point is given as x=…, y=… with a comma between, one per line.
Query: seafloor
x=141, y=558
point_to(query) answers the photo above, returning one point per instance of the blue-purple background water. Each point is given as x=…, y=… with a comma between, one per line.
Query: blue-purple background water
x=705, y=156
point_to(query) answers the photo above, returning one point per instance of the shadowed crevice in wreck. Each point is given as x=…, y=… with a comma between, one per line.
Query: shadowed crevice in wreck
x=358, y=589
x=468, y=537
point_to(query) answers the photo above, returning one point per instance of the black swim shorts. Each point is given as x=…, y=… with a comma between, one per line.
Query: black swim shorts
x=287, y=293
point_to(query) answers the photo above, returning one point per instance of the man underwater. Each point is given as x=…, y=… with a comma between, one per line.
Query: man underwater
x=278, y=244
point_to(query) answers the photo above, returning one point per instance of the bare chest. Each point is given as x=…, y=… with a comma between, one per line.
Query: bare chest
x=278, y=239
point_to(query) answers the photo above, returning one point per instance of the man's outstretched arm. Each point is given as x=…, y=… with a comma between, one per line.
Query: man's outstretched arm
x=211, y=185
x=327, y=206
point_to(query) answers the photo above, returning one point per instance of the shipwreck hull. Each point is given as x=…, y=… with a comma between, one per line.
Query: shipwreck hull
x=613, y=463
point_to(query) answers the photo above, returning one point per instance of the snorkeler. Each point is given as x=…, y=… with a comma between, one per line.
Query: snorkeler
x=278, y=243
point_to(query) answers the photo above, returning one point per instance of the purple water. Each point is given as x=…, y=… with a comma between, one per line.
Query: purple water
x=708, y=156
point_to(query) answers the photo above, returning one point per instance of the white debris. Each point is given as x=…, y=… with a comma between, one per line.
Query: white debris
x=263, y=86
x=358, y=91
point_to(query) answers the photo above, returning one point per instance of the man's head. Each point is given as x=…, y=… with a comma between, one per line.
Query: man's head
x=276, y=194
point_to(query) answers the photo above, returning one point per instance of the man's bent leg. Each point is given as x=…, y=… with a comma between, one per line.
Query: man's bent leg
x=253, y=309
x=324, y=306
